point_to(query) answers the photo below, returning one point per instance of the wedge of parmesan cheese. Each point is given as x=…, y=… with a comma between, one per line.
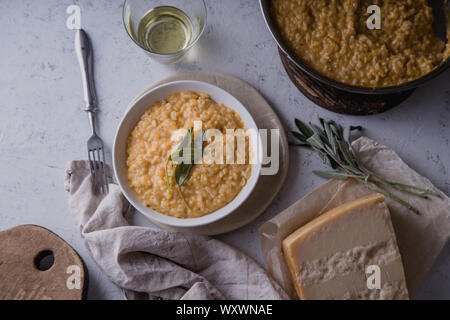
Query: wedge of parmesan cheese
x=349, y=252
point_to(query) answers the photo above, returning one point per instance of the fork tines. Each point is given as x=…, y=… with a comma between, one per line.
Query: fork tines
x=98, y=170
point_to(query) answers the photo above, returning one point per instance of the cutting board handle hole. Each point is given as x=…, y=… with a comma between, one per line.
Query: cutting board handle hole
x=44, y=260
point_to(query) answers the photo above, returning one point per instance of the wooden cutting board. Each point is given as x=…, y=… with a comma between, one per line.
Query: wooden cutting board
x=36, y=264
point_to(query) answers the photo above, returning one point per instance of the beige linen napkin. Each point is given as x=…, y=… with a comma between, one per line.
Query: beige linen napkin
x=151, y=263
x=420, y=237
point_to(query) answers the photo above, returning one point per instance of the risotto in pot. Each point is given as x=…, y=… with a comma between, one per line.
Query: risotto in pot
x=332, y=37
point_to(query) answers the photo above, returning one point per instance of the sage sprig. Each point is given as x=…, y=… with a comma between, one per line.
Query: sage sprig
x=191, y=149
x=333, y=144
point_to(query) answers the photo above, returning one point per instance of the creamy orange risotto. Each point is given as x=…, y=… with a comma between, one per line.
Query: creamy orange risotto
x=210, y=186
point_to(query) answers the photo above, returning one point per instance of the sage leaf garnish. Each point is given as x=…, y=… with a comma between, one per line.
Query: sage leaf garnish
x=182, y=172
x=333, y=144
x=185, y=145
x=187, y=153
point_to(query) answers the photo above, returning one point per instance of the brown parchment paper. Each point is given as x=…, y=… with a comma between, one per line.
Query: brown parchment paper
x=420, y=237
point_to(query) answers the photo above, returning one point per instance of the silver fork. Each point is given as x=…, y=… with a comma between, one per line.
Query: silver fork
x=96, y=150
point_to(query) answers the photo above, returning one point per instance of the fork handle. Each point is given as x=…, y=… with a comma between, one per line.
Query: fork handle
x=84, y=54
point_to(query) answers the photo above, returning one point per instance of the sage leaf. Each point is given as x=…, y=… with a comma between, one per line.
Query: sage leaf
x=299, y=136
x=333, y=144
x=179, y=155
x=182, y=173
x=188, y=152
x=307, y=132
x=330, y=136
x=315, y=141
x=337, y=129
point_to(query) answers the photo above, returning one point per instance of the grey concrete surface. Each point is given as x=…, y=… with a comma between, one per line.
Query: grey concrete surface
x=42, y=125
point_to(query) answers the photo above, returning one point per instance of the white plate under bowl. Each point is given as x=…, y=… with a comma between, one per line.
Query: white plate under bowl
x=132, y=116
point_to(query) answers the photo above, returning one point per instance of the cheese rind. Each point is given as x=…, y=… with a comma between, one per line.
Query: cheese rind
x=328, y=256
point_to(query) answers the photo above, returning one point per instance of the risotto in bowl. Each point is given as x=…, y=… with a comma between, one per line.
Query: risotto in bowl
x=187, y=154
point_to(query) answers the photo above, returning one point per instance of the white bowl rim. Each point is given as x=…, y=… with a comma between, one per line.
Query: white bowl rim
x=219, y=214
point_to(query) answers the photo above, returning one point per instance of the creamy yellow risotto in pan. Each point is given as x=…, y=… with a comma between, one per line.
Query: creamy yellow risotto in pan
x=151, y=172
x=332, y=37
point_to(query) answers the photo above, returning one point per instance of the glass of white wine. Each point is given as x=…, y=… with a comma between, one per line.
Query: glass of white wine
x=165, y=29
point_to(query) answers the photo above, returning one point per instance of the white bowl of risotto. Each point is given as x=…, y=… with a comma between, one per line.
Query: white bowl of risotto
x=224, y=143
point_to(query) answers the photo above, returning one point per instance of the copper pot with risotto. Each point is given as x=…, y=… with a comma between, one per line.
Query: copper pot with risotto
x=330, y=41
